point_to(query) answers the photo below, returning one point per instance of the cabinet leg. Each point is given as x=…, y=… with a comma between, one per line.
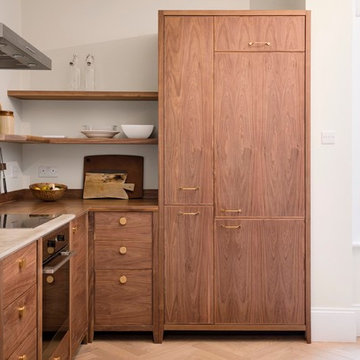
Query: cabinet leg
x=158, y=336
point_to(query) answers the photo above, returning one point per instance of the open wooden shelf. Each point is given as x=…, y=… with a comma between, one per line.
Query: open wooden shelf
x=29, y=139
x=84, y=95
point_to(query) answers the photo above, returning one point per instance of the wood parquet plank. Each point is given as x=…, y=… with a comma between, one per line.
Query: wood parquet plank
x=214, y=346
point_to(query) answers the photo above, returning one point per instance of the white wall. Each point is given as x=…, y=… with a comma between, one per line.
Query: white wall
x=277, y=4
x=10, y=15
x=123, y=38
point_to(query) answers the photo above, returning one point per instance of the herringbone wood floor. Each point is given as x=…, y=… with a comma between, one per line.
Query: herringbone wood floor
x=230, y=346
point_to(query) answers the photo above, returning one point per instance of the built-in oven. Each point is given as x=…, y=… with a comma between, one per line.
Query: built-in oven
x=55, y=290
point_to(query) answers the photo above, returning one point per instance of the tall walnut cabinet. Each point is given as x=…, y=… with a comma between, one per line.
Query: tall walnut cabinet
x=234, y=170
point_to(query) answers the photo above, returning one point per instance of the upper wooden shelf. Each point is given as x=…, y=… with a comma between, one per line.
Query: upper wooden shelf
x=84, y=95
x=30, y=139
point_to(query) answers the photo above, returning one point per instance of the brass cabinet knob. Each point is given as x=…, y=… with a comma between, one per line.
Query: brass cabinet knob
x=22, y=263
x=123, y=221
x=22, y=357
x=74, y=229
x=57, y=358
x=50, y=250
x=123, y=250
x=123, y=279
x=50, y=279
x=21, y=310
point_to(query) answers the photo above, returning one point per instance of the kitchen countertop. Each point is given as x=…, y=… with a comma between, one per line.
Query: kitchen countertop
x=12, y=240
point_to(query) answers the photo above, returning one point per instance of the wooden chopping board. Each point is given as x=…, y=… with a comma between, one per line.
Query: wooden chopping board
x=132, y=165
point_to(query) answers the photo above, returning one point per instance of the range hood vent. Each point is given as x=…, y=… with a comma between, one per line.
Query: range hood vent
x=17, y=53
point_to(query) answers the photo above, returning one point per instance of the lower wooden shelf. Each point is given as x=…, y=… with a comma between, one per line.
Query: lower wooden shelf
x=30, y=139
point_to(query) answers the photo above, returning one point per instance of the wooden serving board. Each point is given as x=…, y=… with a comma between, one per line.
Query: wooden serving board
x=132, y=165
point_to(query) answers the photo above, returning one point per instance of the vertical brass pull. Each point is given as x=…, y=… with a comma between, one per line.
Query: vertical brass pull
x=122, y=250
x=266, y=43
x=22, y=263
x=21, y=310
x=189, y=188
x=22, y=357
x=189, y=213
x=122, y=221
x=123, y=279
x=74, y=229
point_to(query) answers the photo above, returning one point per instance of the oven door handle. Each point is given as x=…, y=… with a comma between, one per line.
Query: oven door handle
x=53, y=269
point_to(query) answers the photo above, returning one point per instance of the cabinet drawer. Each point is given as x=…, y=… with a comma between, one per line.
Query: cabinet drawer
x=260, y=33
x=128, y=303
x=124, y=225
x=19, y=273
x=27, y=350
x=123, y=254
x=62, y=352
x=19, y=321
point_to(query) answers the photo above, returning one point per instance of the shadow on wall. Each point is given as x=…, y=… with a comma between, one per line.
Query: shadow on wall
x=124, y=64
x=277, y=5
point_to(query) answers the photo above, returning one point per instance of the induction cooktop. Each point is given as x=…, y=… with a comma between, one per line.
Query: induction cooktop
x=24, y=221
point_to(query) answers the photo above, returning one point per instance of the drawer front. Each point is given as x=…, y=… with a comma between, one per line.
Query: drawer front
x=260, y=33
x=123, y=254
x=124, y=225
x=19, y=321
x=126, y=303
x=62, y=352
x=19, y=273
x=27, y=350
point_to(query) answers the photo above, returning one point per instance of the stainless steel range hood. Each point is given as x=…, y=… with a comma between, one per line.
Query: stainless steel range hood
x=17, y=53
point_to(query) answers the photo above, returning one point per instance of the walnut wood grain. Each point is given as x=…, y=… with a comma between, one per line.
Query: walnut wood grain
x=259, y=133
x=91, y=277
x=188, y=265
x=188, y=132
x=17, y=327
x=123, y=304
x=282, y=33
x=138, y=254
x=82, y=95
x=27, y=348
x=235, y=327
x=138, y=226
x=62, y=352
x=16, y=279
x=231, y=12
x=78, y=282
x=260, y=272
x=39, y=285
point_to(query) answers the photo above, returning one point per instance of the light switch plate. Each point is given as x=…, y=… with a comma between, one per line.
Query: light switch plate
x=328, y=137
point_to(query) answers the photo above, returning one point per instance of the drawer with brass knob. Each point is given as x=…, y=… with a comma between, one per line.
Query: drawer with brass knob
x=123, y=297
x=123, y=254
x=125, y=225
x=27, y=349
x=19, y=321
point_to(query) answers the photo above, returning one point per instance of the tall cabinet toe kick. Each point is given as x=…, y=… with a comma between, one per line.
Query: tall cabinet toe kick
x=234, y=160
x=125, y=276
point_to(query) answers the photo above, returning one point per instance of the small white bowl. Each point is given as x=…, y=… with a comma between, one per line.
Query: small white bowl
x=137, y=131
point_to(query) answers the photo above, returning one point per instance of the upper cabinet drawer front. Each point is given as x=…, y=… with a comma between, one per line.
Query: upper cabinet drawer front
x=19, y=273
x=188, y=104
x=260, y=33
x=123, y=225
x=19, y=321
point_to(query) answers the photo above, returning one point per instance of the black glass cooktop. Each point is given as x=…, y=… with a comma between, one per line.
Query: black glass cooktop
x=23, y=221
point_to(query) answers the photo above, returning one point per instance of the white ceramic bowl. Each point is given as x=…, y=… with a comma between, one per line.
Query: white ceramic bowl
x=137, y=131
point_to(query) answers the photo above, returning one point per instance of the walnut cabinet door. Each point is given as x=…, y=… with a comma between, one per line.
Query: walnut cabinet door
x=259, y=134
x=188, y=265
x=188, y=110
x=259, y=272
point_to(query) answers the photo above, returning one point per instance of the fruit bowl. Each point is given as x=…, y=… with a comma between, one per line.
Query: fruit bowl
x=48, y=191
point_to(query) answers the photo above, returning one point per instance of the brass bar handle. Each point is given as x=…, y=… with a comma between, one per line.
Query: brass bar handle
x=22, y=263
x=57, y=358
x=266, y=43
x=22, y=357
x=231, y=210
x=231, y=226
x=21, y=310
x=189, y=213
x=189, y=188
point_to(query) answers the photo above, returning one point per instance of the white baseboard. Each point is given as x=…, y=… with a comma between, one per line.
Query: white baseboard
x=357, y=318
x=335, y=324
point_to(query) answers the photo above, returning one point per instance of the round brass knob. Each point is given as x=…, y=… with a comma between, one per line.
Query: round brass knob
x=50, y=250
x=123, y=279
x=50, y=279
x=57, y=358
x=122, y=221
x=123, y=250
x=22, y=357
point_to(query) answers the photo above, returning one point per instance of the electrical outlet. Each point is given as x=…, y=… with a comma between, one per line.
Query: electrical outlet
x=47, y=172
x=328, y=137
